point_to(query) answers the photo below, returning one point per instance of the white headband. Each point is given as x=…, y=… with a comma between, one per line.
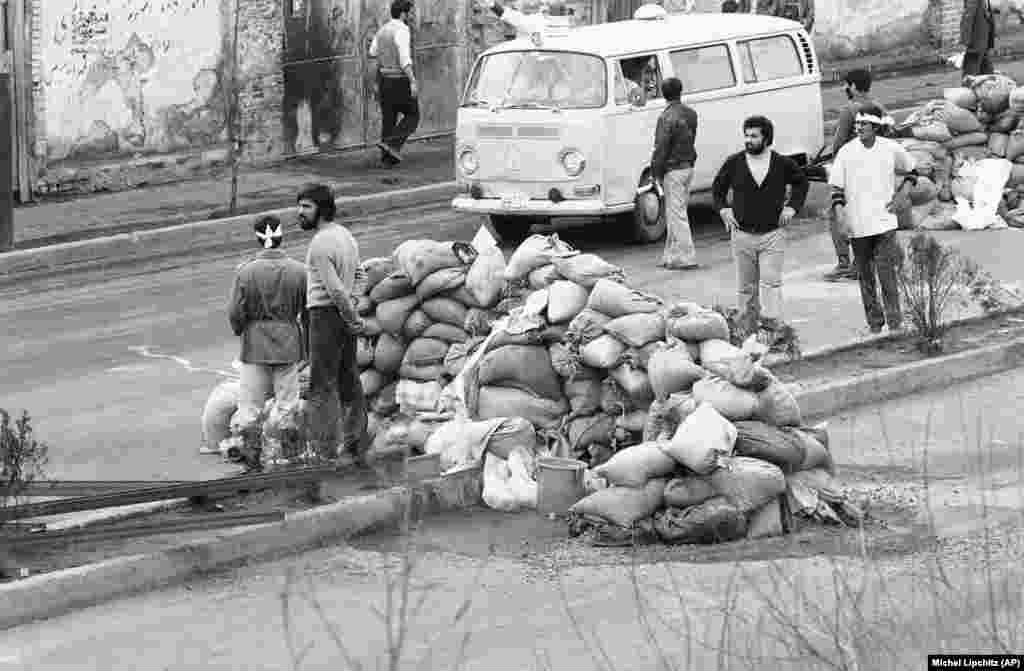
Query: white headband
x=269, y=237
x=879, y=120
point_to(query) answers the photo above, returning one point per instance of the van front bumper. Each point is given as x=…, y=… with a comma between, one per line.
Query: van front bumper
x=590, y=207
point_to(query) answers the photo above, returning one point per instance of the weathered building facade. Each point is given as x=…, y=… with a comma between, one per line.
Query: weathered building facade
x=114, y=93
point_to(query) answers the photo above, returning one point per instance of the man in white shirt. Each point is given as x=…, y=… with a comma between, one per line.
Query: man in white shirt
x=529, y=20
x=865, y=199
x=397, y=86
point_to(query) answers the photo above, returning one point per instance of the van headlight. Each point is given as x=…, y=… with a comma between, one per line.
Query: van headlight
x=469, y=162
x=573, y=162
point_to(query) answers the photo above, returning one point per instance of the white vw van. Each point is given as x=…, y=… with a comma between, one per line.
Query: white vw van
x=562, y=125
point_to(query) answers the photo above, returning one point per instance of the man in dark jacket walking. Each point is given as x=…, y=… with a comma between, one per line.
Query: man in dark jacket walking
x=758, y=178
x=978, y=36
x=672, y=170
x=268, y=309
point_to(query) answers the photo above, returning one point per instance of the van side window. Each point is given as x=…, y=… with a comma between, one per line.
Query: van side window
x=638, y=78
x=770, y=58
x=704, y=68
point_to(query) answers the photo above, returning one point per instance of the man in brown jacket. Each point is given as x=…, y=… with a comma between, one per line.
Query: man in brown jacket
x=672, y=170
x=978, y=36
x=268, y=310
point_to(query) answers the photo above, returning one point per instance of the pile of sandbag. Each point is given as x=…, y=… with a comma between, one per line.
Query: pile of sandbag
x=974, y=132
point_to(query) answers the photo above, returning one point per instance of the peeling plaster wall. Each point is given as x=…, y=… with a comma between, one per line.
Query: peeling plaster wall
x=128, y=77
x=857, y=27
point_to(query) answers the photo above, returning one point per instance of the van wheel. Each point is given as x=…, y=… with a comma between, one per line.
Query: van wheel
x=648, y=224
x=509, y=229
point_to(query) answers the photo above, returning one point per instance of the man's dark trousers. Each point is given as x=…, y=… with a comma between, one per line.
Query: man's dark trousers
x=333, y=385
x=882, y=254
x=396, y=99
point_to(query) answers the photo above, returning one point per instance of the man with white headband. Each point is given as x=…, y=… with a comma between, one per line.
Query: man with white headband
x=268, y=311
x=865, y=198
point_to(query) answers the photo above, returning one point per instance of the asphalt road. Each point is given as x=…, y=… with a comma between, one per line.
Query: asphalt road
x=816, y=607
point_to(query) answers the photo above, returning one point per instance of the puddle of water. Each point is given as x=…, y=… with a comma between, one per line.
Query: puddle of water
x=149, y=353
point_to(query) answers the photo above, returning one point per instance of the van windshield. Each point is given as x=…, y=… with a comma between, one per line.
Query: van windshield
x=538, y=80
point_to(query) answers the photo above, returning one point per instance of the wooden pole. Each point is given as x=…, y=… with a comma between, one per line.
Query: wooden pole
x=234, y=137
x=6, y=156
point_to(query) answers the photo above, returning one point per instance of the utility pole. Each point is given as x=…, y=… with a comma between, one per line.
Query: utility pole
x=6, y=148
x=233, y=118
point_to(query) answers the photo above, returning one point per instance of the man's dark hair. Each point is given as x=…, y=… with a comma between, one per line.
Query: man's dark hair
x=321, y=196
x=764, y=124
x=860, y=79
x=399, y=7
x=266, y=223
x=672, y=88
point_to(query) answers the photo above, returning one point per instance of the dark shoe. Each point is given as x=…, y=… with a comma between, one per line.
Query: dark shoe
x=843, y=271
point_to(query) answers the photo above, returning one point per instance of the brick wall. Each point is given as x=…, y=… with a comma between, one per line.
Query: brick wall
x=949, y=25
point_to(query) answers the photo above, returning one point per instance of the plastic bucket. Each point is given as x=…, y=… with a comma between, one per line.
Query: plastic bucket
x=559, y=484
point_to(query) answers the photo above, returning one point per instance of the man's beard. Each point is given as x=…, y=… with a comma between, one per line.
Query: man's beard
x=305, y=224
x=755, y=150
x=849, y=93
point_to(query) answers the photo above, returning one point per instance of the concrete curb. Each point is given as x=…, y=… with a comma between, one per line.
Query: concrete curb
x=173, y=240
x=49, y=595
x=899, y=381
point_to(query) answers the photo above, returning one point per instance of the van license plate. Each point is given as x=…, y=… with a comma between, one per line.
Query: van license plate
x=514, y=201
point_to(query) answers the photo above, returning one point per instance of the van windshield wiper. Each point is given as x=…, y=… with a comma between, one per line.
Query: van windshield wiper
x=531, y=106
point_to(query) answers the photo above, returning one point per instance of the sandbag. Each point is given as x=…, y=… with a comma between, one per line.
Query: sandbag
x=687, y=491
x=587, y=326
x=969, y=154
x=699, y=326
x=617, y=300
x=420, y=258
x=816, y=454
x=614, y=399
x=446, y=332
x=425, y=373
x=925, y=191
x=583, y=432
x=485, y=279
x=1016, y=100
x=934, y=149
x=372, y=381
x=634, y=466
x=388, y=354
x=1015, y=145
x=395, y=285
x=462, y=296
x=363, y=305
x=632, y=422
x=414, y=396
x=962, y=97
x=924, y=162
x=748, y=483
x=603, y=352
x=1005, y=122
x=1016, y=175
x=645, y=353
x=967, y=140
x=534, y=252
x=521, y=367
x=221, y=404
x=586, y=269
x=997, y=143
x=479, y=322
x=376, y=270
x=371, y=327
x=565, y=362
x=543, y=277
x=458, y=354
x=993, y=91
x=384, y=403
x=741, y=371
x=712, y=351
x=732, y=402
x=759, y=440
x=671, y=370
x=461, y=443
x=702, y=440
x=364, y=352
x=635, y=382
x=416, y=325
x=623, y=506
x=959, y=120
x=441, y=281
x=777, y=406
x=425, y=351
x=565, y=301
x=393, y=313
x=766, y=521
x=543, y=413
x=584, y=396
x=932, y=130
x=637, y=330
x=512, y=433
x=711, y=522
x=445, y=310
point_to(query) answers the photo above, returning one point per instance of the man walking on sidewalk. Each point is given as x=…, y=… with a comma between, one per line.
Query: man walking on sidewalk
x=672, y=169
x=864, y=200
x=757, y=220
x=857, y=85
x=268, y=307
x=332, y=264
x=397, y=87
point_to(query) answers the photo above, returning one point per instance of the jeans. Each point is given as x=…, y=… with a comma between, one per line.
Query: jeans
x=759, y=260
x=396, y=98
x=839, y=241
x=977, y=63
x=679, y=248
x=882, y=255
x=259, y=382
x=335, y=391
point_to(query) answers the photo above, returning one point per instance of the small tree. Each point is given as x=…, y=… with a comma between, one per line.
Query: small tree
x=22, y=457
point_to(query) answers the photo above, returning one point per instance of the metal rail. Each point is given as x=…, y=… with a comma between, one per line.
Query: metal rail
x=87, y=487
x=135, y=529
x=219, y=486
